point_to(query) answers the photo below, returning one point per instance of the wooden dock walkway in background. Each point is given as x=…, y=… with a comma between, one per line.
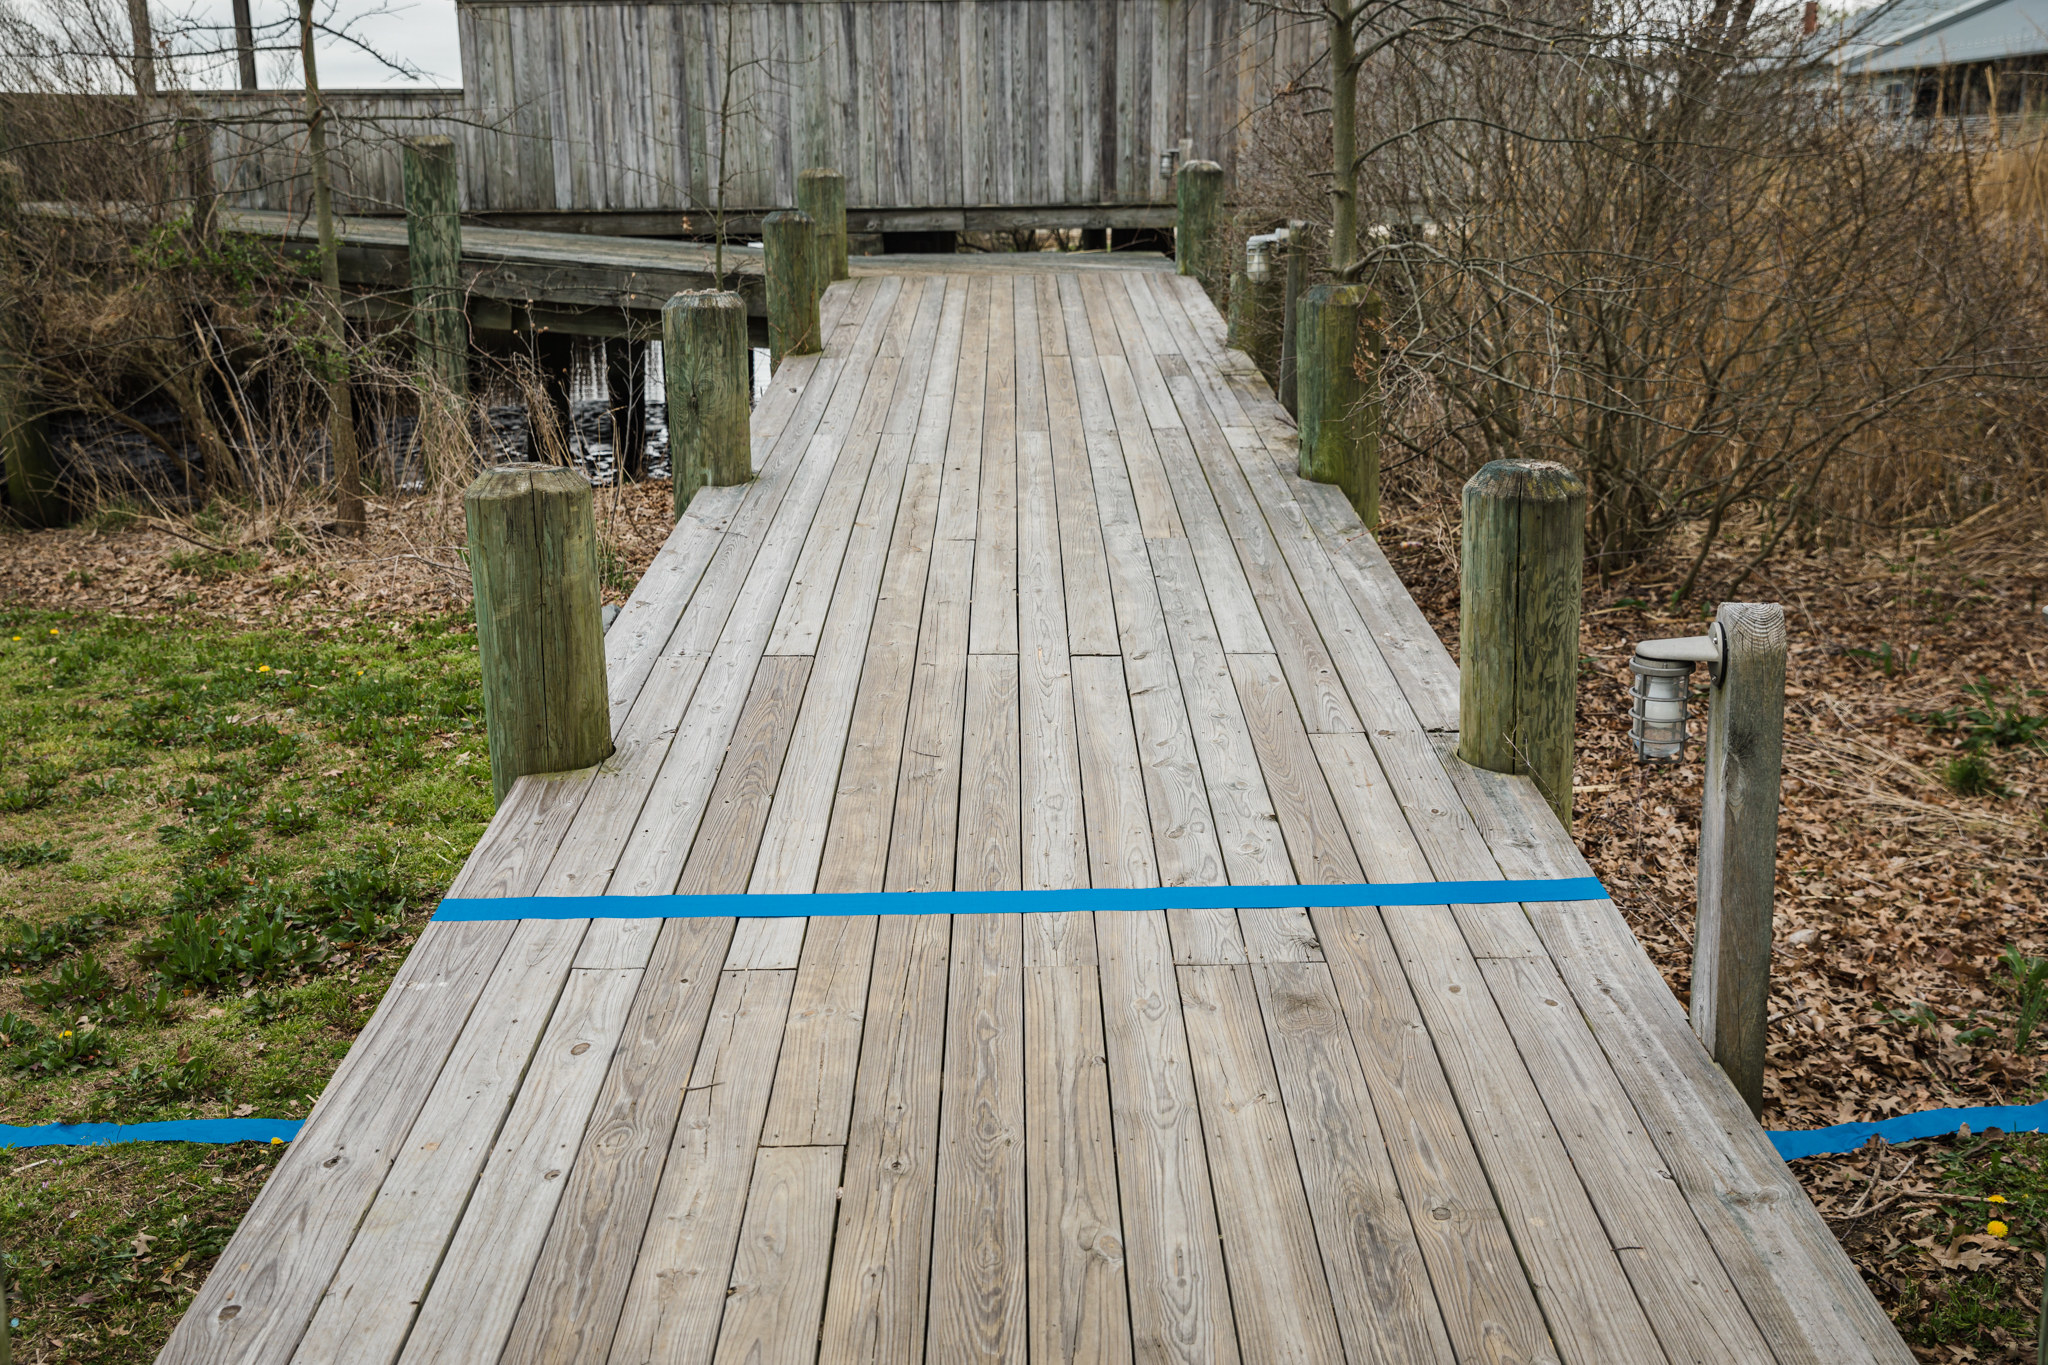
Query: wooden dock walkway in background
x=1026, y=595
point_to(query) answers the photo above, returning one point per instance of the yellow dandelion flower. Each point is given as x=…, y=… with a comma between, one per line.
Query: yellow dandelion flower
x=1994, y=1199
x=264, y=669
x=53, y=630
x=277, y=1142
x=1995, y=1228
x=65, y=1034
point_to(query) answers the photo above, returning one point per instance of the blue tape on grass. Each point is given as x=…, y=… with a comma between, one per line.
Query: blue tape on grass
x=175, y=1130
x=1847, y=1137
x=1021, y=902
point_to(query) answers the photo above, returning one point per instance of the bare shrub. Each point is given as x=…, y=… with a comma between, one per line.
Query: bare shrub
x=1659, y=246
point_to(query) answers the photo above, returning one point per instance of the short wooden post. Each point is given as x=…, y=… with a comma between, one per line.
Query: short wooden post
x=1339, y=426
x=1197, y=233
x=1731, y=956
x=704, y=357
x=1237, y=325
x=1295, y=258
x=533, y=560
x=790, y=250
x=433, y=255
x=1518, y=623
x=822, y=194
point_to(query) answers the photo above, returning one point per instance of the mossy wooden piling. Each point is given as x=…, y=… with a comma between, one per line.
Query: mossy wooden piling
x=821, y=193
x=433, y=237
x=1518, y=623
x=1197, y=235
x=1738, y=857
x=790, y=259
x=533, y=561
x=1339, y=422
x=704, y=369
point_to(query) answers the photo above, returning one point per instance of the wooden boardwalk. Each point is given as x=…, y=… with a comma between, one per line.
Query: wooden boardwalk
x=1027, y=596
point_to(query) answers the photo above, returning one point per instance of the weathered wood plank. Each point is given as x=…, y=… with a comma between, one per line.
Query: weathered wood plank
x=1279, y=1290
x=778, y=1274
x=474, y=1299
x=575, y=1291
x=881, y=1260
x=369, y=1307
x=679, y=1282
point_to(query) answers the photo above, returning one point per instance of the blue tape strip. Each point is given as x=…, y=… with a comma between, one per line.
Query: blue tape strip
x=1020, y=902
x=1847, y=1137
x=174, y=1130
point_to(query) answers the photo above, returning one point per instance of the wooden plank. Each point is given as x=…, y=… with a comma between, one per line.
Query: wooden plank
x=1079, y=1305
x=658, y=600
x=1488, y=1306
x=1179, y=1296
x=1184, y=836
x=1091, y=615
x=580, y=1280
x=260, y=1297
x=680, y=1281
x=876, y=1300
x=1279, y=1291
x=991, y=817
x=994, y=626
x=477, y=1287
x=778, y=1275
x=1317, y=840
x=1378, y=1280
x=722, y=858
x=979, y=1238
x=1586, y=1296
x=1797, y=1283
x=927, y=808
x=368, y=1309
x=513, y=854
x=1311, y=672
x=1411, y=648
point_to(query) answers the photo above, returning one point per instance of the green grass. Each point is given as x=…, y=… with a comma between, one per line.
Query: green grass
x=1958, y=1286
x=215, y=846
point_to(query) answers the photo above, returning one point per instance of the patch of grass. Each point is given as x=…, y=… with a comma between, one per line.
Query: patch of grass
x=256, y=820
x=39, y=854
x=209, y=566
x=1971, y=774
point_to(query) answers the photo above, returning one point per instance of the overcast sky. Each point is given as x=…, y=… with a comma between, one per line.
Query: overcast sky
x=419, y=33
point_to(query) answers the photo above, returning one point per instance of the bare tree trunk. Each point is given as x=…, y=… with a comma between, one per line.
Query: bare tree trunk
x=145, y=48
x=1343, y=138
x=348, y=477
x=245, y=44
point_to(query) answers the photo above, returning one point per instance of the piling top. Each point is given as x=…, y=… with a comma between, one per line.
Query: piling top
x=705, y=298
x=522, y=477
x=793, y=216
x=1526, y=481
x=1200, y=168
x=432, y=142
x=819, y=173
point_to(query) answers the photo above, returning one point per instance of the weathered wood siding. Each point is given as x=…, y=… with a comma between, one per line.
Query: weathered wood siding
x=594, y=107
x=259, y=144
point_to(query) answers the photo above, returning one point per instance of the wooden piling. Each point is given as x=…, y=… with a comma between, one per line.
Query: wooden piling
x=1197, y=234
x=1294, y=261
x=533, y=560
x=1339, y=422
x=821, y=193
x=433, y=254
x=1518, y=623
x=704, y=357
x=790, y=259
x=1738, y=859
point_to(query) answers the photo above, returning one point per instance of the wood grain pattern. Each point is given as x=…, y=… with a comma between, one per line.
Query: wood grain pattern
x=778, y=1274
x=572, y=1298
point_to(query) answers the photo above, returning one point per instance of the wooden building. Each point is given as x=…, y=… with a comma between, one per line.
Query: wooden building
x=944, y=115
